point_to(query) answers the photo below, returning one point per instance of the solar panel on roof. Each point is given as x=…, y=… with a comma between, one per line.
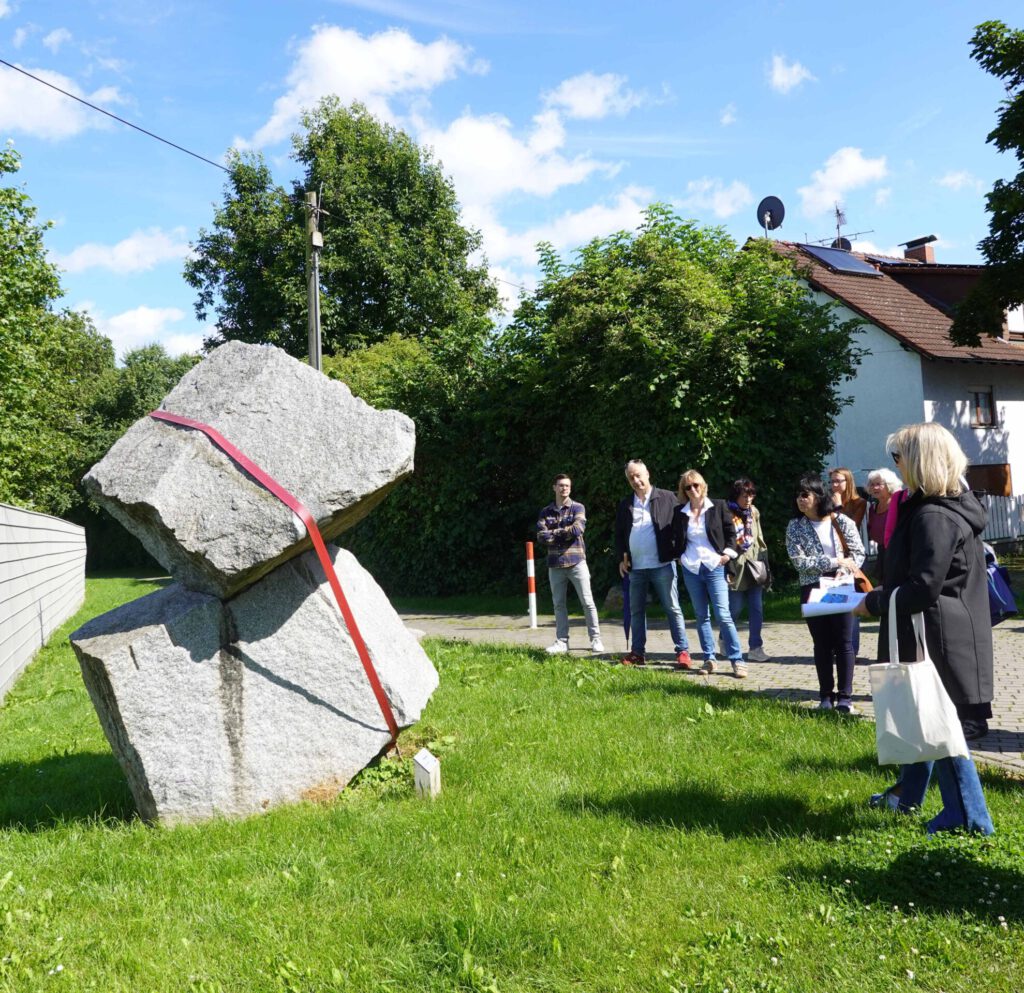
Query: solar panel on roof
x=839, y=261
x=886, y=260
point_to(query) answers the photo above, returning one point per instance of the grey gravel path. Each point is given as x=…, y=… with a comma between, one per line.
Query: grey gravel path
x=789, y=676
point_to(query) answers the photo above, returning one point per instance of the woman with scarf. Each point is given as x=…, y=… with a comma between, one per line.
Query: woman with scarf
x=883, y=484
x=744, y=590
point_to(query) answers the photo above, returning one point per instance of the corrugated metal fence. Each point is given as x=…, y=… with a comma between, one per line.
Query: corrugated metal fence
x=1005, y=518
x=1005, y=521
x=42, y=583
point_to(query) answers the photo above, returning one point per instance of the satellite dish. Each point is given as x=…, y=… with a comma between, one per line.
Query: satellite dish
x=843, y=243
x=770, y=213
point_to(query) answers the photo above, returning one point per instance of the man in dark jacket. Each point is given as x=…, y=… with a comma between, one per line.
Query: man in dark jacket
x=645, y=551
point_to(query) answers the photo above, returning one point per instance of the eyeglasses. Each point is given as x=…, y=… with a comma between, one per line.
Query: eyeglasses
x=895, y=457
x=692, y=486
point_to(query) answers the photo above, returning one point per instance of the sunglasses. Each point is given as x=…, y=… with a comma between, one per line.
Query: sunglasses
x=692, y=486
x=806, y=493
x=750, y=491
x=895, y=457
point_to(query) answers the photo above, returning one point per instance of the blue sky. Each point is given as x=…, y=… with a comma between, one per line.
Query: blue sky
x=556, y=121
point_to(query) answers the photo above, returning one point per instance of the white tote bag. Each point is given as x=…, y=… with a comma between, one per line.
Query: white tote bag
x=915, y=720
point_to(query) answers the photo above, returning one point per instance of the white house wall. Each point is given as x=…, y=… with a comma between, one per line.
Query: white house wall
x=42, y=583
x=887, y=393
x=947, y=401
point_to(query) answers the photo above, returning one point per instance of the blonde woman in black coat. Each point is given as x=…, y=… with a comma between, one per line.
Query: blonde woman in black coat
x=935, y=558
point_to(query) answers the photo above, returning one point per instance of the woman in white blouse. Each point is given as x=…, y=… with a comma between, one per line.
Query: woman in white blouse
x=705, y=540
x=824, y=545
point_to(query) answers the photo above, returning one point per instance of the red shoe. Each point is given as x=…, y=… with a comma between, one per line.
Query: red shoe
x=683, y=661
x=634, y=658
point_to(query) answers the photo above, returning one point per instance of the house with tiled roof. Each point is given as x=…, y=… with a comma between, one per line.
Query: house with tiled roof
x=912, y=372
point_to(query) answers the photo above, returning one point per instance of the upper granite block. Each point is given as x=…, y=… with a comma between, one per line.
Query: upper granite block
x=210, y=524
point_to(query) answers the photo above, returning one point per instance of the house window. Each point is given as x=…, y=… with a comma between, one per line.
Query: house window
x=983, y=409
x=993, y=479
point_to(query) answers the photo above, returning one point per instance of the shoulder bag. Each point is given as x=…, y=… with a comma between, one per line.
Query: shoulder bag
x=861, y=583
x=915, y=720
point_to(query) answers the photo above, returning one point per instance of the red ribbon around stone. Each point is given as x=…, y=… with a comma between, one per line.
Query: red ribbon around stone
x=303, y=513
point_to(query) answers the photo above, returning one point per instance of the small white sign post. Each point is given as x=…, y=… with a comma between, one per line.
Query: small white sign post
x=427, y=773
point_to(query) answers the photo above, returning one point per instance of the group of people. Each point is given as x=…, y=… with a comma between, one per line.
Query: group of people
x=715, y=544
x=927, y=527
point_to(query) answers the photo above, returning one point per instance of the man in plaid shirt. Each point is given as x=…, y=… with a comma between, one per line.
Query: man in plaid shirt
x=560, y=527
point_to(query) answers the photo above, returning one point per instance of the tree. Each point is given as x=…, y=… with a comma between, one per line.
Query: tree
x=671, y=345
x=666, y=343
x=49, y=361
x=1000, y=51
x=396, y=259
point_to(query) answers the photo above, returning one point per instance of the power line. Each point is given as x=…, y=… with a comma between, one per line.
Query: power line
x=150, y=134
x=92, y=106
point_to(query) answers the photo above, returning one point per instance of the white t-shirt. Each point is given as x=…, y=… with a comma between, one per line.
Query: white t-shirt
x=643, y=546
x=827, y=536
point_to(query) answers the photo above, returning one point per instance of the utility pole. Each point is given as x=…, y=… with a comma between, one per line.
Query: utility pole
x=314, y=243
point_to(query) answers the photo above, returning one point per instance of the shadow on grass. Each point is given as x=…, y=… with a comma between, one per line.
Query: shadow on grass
x=738, y=815
x=828, y=765
x=37, y=796
x=931, y=879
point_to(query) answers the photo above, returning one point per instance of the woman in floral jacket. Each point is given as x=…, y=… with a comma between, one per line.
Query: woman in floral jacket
x=820, y=544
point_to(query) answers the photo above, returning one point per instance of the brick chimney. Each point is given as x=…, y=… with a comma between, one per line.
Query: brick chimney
x=920, y=249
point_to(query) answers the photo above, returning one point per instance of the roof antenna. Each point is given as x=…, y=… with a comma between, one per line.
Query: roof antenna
x=770, y=214
x=841, y=242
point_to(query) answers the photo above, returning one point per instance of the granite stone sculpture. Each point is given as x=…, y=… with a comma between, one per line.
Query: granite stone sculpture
x=239, y=686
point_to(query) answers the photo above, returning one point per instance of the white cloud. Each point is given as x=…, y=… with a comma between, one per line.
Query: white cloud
x=487, y=161
x=53, y=41
x=139, y=252
x=590, y=97
x=512, y=285
x=961, y=180
x=712, y=194
x=570, y=229
x=870, y=248
x=20, y=37
x=369, y=69
x=882, y=196
x=5, y=8
x=146, y=326
x=27, y=107
x=728, y=115
x=783, y=76
x=846, y=169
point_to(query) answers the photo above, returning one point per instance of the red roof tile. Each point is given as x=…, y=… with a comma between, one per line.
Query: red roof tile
x=908, y=317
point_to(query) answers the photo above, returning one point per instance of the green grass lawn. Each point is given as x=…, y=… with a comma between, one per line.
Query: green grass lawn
x=600, y=829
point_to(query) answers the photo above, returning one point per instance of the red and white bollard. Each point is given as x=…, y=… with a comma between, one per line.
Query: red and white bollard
x=531, y=584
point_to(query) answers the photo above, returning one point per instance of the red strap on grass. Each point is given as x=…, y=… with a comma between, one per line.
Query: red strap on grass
x=306, y=517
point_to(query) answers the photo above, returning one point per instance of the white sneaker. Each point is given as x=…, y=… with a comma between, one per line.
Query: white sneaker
x=558, y=648
x=597, y=647
x=758, y=655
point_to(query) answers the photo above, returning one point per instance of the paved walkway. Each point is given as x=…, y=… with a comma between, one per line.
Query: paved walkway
x=789, y=676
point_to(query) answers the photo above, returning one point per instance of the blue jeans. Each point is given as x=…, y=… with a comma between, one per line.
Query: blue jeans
x=963, y=803
x=579, y=576
x=707, y=589
x=753, y=600
x=663, y=579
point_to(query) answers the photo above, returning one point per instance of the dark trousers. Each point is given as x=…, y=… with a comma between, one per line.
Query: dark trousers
x=833, y=646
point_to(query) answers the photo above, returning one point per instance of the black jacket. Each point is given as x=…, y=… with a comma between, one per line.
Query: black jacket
x=663, y=503
x=936, y=559
x=717, y=522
